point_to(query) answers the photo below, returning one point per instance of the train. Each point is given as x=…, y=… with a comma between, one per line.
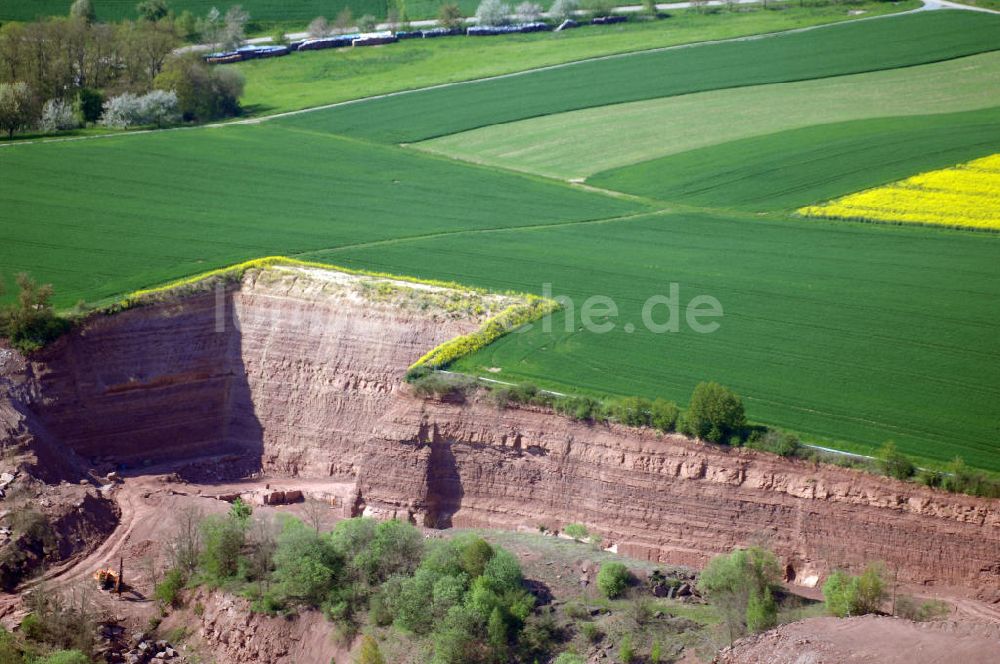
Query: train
x=253, y=52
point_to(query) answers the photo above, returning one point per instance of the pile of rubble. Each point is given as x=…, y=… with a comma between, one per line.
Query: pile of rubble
x=139, y=649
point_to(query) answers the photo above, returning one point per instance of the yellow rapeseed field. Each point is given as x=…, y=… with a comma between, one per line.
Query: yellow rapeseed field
x=964, y=196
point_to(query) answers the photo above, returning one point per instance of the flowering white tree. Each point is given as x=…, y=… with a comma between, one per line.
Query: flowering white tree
x=319, y=27
x=158, y=107
x=563, y=10
x=492, y=12
x=57, y=115
x=528, y=12
x=234, y=28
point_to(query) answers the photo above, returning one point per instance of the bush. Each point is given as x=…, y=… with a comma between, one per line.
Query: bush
x=577, y=531
x=775, y=442
x=450, y=16
x=600, y=8
x=307, y=567
x=222, y=539
x=613, y=579
x=30, y=322
x=444, y=386
x=626, y=653
x=203, y=92
x=632, y=411
x=57, y=115
x=847, y=595
x=492, y=12
x=907, y=607
x=367, y=23
x=591, y=632
x=569, y=658
x=715, y=414
x=741, y=585
x=895, y=464
x=90, y=104
x=65, y=657
x=369, y=652
x=168, y=590
x=664, y=415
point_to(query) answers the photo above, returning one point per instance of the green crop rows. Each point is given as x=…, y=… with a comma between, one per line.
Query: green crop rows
x=624, y=134
x=794, y=168
x=839, y=49
x=847, y=332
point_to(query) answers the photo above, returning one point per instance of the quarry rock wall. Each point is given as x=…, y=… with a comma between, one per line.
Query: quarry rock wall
x=305, y=377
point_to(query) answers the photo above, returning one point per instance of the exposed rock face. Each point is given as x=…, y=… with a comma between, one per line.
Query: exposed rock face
x=668, y=498
x=291, y=368
x=309, y=383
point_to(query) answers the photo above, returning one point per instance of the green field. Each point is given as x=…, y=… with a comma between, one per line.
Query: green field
x=134, y=211
x=834, y=50
x=849, y=333
x=787, y=170
x=315, y=78
x=581, y=143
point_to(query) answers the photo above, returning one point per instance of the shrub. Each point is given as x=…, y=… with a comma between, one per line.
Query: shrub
x=569, y=658
x=591, y=632
x=847, y=595
x=367, y=23
x=203, y=92
x=153, y=10
x=577, y=531
x=441, y=386
x=907, y=607
x=492, y=12
x=65, y=657
x=369, y=652
x=632, y=411
x=626, y=653
x=613, y=579
x=168, y=590
x=894, y=463
x=741, y=585
x=775, y=442
x=57, y=115
x=656, y=652
x=90, y=103
x=664, y=415
x=222, y=539
x=715, y=414
x=30, y=322
x=450, y=16
x=563, y=10
x=307, y=566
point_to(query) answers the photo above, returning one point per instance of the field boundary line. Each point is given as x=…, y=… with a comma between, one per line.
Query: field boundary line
x=472, y=231
x=928, y=5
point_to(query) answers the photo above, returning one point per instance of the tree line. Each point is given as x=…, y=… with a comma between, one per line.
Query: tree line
x=67, y=72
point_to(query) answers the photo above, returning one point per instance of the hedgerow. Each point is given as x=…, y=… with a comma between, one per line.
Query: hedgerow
x=503, y=323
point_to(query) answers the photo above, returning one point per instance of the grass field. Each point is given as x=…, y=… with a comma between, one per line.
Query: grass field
x=827, y=51
x=964, y=196
x=314, y=78
x=581, y=143
x=133, y=211
x=848, y=332
x=791, y=169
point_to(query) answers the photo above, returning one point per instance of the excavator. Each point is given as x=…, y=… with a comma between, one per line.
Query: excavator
x=110, y=580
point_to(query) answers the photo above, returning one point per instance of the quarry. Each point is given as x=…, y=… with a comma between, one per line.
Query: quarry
x=297, y=393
